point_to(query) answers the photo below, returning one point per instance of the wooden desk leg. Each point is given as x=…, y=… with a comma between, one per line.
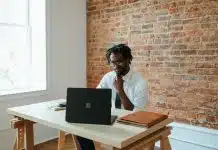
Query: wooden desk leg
x=18, y=124
x=61, y=140
x=148, y=142
x=28, y=126
x=20, y=136
x=165, y=143
x=19, y=140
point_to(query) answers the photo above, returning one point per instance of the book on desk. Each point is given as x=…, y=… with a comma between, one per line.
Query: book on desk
x=142, y=118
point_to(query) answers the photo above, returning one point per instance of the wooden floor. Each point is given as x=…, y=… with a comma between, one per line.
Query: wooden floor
x=52, y=145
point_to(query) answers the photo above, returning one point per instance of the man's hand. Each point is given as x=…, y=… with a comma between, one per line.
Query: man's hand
x=118, y=84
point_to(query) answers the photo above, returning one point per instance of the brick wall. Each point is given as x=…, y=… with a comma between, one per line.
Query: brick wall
x=175, y=47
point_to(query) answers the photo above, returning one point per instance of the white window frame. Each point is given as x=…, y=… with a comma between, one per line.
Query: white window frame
x=17, y=96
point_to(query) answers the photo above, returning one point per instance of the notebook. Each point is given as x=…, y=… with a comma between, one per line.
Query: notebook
x=143, y=118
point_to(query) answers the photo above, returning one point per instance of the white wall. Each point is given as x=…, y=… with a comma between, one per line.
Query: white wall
x=66, y=42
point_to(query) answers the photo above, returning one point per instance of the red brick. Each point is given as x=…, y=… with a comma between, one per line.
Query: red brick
x=132, y=1
x=169, y=64
x=211, y=58
x=190, y=26
x=209, y=38
x=175, y=52
x=206, y=52
x=211, y=118
x=204, y=65
x=190, y=21
x=204, y=71
x=194, y=11
x=213, y=92
x=189, y=52
x=179, y=46
x=91, y=8
x=199, y=84
x=195, y=46
x=208, y=25
x=156, y=52
x=156, y=64
x=177, y=34
x=212, y=45
x=174, y=46
x=163, y=18
x=164, y=59
x=214, y=71
x=187, y=65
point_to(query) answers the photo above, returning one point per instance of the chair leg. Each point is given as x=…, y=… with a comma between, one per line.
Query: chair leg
x=61, y=140
x=165, y=143
x=76, y=143
x=150, y=146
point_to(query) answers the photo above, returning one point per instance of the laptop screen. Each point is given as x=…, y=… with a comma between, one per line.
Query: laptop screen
x=88, y=105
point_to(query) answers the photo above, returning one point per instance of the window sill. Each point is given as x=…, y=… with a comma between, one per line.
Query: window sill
x=21, y=95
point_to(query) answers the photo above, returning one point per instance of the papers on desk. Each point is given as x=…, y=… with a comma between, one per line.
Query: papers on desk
x=57, y=107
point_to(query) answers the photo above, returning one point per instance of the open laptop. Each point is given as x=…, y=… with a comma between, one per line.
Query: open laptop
x=89, y=105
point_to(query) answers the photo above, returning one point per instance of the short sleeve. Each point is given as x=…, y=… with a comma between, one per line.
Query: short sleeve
x=103, y=82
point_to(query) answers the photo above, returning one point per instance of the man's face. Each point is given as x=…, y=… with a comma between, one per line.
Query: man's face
x=119, y=64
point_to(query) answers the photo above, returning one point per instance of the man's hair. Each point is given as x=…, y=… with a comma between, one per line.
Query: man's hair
x=120, y=48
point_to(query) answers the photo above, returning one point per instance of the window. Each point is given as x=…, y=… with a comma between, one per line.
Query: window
x=22, y=46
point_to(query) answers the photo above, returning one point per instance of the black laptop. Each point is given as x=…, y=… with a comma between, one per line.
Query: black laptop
x=89, y=105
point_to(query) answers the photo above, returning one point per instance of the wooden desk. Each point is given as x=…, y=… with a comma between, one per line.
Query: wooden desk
x=119, y=136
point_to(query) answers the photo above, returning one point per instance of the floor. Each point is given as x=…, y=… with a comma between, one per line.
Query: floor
x=52, y=145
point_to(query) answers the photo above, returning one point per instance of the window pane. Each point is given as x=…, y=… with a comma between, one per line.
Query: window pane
x=37, y=23
x=22, y=46
x=13, y=11
x=14, y=62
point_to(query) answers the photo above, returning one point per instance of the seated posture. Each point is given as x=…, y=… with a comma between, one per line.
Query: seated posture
x=129, y=89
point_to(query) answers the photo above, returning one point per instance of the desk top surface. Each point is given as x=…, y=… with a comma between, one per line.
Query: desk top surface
x=117, y=135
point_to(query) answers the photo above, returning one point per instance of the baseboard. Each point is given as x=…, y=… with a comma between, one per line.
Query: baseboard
x=193, y=136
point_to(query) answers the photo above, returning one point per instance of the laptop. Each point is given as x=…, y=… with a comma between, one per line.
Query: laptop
x=89, y=105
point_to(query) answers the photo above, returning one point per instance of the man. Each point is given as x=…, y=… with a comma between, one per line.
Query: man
x=125, y=83
x=129, y=89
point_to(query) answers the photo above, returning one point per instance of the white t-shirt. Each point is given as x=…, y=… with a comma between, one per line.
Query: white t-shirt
x=135, y=87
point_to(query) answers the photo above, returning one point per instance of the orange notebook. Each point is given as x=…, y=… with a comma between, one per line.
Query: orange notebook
x=143, y=118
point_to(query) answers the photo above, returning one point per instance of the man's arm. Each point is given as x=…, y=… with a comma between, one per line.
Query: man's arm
x=125, y=100
x=118, y=84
